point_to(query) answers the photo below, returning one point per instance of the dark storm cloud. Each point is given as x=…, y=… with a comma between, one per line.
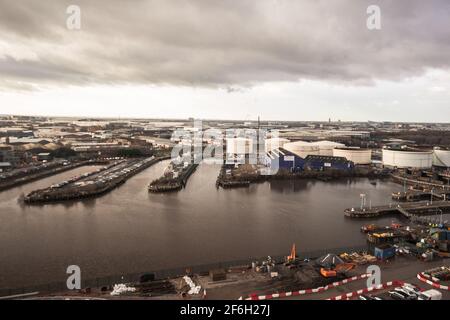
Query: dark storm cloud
x=225, y=43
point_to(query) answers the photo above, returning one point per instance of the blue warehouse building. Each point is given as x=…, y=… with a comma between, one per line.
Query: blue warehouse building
x=315, y=162
x=285, y=160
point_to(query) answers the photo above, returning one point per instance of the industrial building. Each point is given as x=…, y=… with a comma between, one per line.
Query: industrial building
x=316, y=162
x=95, y=146
x=239, y=146
x=356, y=155
x=441, y=157
x=7, y=154
x=285, y=160
x=407, y=158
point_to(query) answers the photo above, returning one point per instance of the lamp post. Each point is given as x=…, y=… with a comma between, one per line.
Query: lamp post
x=363, y=200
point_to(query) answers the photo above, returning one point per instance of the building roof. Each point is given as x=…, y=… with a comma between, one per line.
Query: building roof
x=326, y=158
x=276, y=153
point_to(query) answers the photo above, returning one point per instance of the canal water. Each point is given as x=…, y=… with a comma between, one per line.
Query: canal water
x=129, y=230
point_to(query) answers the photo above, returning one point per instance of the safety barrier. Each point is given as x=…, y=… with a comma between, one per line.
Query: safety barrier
x=307, y=291
x=357, y=293
x=422, y=277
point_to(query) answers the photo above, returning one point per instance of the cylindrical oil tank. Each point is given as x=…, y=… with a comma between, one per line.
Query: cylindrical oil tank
x=326, y=147
x=356, y=155
x=441, y=157
x=302, y=148
x=275, y=143
x=408, y=158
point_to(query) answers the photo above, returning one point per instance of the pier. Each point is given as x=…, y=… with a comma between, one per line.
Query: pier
x=174, y=183
x=91, y=184
x=420, y=182
x=418, y=195
x=408, y=210
x=44, y=172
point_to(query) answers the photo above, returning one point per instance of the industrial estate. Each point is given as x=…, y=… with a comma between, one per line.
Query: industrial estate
x=412, y=252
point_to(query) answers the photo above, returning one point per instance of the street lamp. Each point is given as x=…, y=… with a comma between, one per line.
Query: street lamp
x=363, y=200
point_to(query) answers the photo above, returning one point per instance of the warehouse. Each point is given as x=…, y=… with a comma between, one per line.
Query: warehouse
x=441, y=157
x=315, y=162
x=285, y=160
x=407, y=158
x=356, y=155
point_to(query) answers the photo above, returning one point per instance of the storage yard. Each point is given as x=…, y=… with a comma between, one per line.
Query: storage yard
x=91, y=184
x=339, y=276
x=25, y=175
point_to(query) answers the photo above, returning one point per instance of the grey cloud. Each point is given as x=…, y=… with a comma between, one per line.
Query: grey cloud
x=222, y=43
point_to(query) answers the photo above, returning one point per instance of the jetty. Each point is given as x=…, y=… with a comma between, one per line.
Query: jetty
x=91, y=184
x=408, y=210
x=172, y=181
x=418, y=195
x=27, y=175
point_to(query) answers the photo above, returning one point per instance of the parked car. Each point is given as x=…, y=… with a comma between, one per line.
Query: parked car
x=411, y=289
x=431, y=294
x=407, y=293
x=397, y=295
x=368, y=297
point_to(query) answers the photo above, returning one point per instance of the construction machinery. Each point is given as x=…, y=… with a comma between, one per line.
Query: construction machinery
x=332, y=265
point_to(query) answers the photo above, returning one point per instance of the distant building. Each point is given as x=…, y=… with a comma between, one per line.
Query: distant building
x=44, y=156
x=16, y=132
x=239, y=146
x=8, y=155
x=5, y=166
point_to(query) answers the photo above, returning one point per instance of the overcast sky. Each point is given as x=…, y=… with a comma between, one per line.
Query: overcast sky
x=280, y=59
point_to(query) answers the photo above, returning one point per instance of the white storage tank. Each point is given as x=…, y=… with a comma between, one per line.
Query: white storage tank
x=302, y=148
x=408, y=158
x=326, y=147
x=441, y=157
x=275, y=143
x=239, y=146
x=356, y=155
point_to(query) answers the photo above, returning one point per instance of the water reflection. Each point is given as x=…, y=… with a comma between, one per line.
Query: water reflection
x=130, y=230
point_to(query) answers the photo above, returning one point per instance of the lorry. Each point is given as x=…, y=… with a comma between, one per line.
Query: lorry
x=431, y=294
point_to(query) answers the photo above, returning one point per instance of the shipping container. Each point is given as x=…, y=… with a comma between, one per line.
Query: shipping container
x=384, y=252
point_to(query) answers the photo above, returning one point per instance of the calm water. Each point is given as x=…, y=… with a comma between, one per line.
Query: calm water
x=129, y=230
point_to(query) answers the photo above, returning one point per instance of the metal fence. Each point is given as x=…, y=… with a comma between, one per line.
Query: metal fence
x=109, y=281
